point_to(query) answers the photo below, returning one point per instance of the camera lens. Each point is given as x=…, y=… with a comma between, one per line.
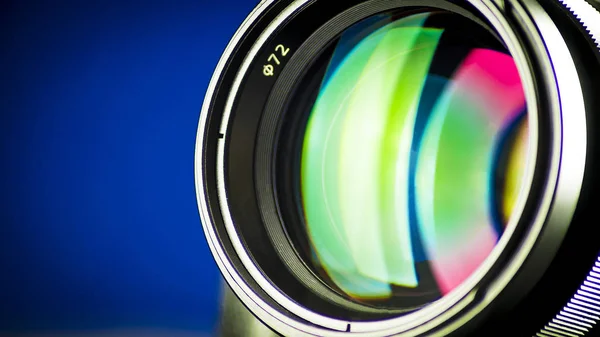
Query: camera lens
x=407, y=167
x=412, y=156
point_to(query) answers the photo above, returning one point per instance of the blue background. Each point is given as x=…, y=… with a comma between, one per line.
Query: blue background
x=99, y=103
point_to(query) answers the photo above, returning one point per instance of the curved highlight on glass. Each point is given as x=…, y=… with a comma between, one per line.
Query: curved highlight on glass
x=412, y=157
x=455, y=167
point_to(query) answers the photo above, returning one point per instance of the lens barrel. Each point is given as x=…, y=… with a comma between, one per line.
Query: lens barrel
x=407, y=167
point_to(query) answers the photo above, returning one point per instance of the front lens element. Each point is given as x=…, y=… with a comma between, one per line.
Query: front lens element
x=413, y=155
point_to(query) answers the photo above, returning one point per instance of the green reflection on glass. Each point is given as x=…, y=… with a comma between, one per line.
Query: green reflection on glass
x=355, y=159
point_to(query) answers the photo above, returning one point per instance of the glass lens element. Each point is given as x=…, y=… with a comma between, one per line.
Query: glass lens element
x=413, y=155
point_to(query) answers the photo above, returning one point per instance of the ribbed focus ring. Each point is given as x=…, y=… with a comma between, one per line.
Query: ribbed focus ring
x=581, y=313
x=587, y=15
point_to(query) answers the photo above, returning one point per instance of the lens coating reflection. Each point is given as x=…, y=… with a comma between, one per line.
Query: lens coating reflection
x=412, y=157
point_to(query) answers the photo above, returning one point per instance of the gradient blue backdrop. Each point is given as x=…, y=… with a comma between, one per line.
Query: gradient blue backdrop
x=99, y=229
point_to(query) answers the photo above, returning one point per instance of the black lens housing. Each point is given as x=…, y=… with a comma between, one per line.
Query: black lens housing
x=250, y=140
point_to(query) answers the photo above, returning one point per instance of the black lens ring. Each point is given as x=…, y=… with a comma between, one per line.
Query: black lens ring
x=267, y=139
x=211, y=197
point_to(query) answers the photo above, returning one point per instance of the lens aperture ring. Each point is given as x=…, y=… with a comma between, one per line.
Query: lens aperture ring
x=587, y=15
x=581, y=314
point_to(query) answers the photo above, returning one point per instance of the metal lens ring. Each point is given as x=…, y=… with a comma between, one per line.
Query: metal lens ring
x=363, y=168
